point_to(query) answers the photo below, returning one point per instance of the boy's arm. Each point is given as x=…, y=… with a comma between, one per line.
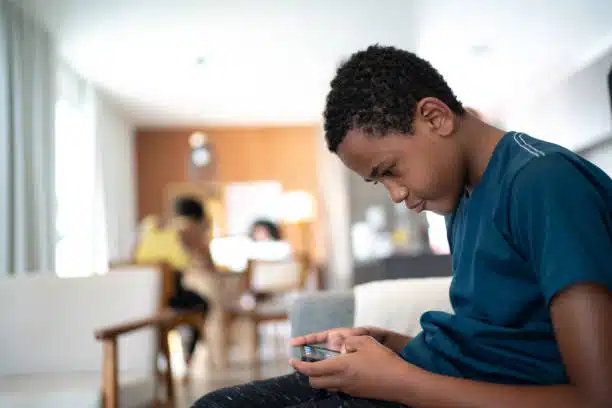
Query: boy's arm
x=582, y=316
x=390, y=339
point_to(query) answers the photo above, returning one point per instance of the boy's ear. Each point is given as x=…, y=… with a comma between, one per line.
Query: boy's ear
x=437, y=116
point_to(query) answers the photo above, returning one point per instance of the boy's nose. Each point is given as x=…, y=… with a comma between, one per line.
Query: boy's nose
x=398, y=194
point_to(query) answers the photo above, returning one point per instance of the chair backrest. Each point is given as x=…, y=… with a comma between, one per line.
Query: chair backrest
x=167, y=282
x=278, y=276
x=48, y=323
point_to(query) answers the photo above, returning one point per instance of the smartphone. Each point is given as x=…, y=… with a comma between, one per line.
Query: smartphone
x=316, y=353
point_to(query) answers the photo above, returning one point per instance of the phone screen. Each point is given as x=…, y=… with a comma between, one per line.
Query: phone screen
x=316, y=353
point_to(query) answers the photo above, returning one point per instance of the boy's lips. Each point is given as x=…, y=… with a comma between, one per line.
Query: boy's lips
x=419, y=206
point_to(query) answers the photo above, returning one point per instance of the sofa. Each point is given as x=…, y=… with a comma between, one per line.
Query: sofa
x=49, y=356
x=391, y=304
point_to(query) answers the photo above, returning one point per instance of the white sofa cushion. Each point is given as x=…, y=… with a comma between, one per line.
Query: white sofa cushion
x=48, y=354
x=398, y=304
x=48, y=323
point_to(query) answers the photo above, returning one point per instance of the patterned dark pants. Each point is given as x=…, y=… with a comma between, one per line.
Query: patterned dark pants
x=289, y=391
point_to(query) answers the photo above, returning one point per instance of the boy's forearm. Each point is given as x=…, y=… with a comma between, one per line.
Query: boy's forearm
x=390, y=339
x=396, y=341
x=421, y=389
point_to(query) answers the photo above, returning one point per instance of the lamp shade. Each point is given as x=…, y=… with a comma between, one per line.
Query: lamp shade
x=197, y=139
x=200, y=157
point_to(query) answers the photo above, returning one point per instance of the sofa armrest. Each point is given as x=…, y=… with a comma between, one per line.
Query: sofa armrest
x=317, y=311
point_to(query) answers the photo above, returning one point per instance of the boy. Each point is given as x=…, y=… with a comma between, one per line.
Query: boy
x=530, y=229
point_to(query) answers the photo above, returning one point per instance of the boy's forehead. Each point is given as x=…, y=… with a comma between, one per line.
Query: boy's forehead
x=353, y=150
x=361, y=153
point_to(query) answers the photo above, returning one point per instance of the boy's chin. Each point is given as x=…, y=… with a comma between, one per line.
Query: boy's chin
x=441, y=208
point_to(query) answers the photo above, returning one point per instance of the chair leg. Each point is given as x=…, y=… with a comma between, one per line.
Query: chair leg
x=110, y=383
x=256, y=342
x=165, y=349
x=157, y=372
x=278, y=340
x=222, y=360
x=189, y=363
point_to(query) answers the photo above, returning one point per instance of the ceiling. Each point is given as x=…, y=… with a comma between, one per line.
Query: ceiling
x=185, y=62
x=495, y=52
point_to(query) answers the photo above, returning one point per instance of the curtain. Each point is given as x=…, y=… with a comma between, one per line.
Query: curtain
x=114, y=134
x=81, y=213
x=27, y=101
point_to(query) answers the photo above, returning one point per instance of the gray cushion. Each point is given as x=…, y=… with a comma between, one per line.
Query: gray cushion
x=318, y=311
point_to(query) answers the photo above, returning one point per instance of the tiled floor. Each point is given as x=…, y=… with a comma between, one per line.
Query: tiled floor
x=204, y=379
x=274, y=353
x=236, y=374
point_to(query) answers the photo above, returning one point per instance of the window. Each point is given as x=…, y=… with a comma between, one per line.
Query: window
x=79, y=221
x=72, y=183
x=438, y=241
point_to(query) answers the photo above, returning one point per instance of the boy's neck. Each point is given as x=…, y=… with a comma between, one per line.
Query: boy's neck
x=478, y=140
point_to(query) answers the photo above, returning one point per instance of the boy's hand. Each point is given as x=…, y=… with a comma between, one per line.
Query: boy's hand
x=334, y=338
x=367, y=370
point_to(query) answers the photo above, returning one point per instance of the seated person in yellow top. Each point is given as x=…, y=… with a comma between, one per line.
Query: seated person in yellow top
x=180, y=242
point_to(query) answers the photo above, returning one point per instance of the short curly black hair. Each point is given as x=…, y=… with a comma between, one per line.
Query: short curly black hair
x=377, y=89
x=189, y=207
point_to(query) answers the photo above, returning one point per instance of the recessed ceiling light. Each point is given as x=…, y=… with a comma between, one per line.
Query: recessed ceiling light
x=200, y=61
x=480, y=50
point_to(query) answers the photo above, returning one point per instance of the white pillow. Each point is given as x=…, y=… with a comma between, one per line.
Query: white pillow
x=398, y=304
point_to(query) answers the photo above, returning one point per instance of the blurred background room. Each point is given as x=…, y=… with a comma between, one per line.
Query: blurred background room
x=169, y=209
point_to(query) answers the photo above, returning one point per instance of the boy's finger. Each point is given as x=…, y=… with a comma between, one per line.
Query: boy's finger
x=354, y=343
x=313, y=338
x=323, y=368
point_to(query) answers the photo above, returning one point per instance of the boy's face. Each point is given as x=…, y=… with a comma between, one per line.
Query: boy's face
x=425, y=169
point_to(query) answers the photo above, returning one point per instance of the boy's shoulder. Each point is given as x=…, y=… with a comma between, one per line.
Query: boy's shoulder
x=526, y=160
x=522, y=151
x=533, y=170
x=523, y=167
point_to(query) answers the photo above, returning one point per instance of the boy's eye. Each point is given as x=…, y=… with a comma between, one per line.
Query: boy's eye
x=387, y=173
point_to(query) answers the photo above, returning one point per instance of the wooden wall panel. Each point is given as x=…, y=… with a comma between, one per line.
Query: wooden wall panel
x=285, y=154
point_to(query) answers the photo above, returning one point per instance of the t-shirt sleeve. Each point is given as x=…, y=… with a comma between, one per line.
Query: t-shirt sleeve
x=562, y=224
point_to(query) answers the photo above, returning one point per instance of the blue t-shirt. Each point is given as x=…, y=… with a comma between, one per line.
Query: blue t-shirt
x=539, y=221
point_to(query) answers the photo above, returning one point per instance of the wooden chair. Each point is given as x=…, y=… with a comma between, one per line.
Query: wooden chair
x=51, y=347
x=192, y=318
x=269, y=305
x=173, y=318
x=109, y=337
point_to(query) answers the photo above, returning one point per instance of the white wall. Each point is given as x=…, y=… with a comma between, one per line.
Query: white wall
x=575, y=113
x=333, y=186
x=115, y=137
x=602, y=157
